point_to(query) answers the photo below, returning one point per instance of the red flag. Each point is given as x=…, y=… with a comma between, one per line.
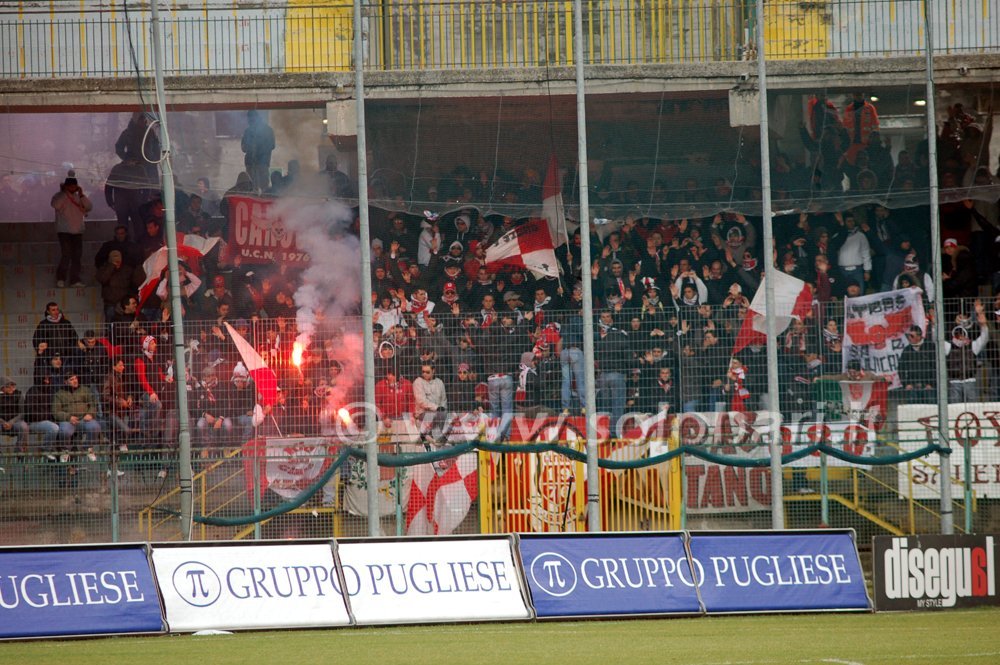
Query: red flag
x=792, y=300
x=552, y=204
x=190, y=250
x=526, y=246
x=263, y=376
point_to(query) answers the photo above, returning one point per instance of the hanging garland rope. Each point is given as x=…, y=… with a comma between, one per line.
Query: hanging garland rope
x=412, y=459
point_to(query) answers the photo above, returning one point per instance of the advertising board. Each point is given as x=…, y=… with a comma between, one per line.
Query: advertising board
x=418, y=581
x=608, y=574
x=778, y=571
x=249, y=586
x=77, y=591
x=934, y=572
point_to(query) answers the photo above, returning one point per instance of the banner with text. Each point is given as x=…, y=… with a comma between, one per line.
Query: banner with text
x=423, y=581
x=717, y=488
x=779, y=572
x=257, y=234
x=875, y=329
x=608, y=575
x=934, y=572
x=973, y=426
x=77, y=591
x=252, y=586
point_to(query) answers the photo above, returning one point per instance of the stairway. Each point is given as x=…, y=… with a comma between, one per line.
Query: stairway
x=29, y=253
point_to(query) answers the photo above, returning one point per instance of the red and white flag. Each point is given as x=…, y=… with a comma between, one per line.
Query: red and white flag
x=792, y=300
x=875, y=327
x=264, y=378
x=552, y=204
x=439, y=501
x=866, y=401
x=190, y=250
x=527, y=246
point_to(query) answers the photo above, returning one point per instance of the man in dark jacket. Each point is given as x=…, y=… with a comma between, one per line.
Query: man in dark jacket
x=611, y=353
x=917, y=375
x=54, y=333
x=117, y=279
x=12, y=423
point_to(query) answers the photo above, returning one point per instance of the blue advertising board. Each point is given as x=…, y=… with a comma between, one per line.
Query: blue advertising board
x=77, y=591
x=777, y=572
x=606, y=575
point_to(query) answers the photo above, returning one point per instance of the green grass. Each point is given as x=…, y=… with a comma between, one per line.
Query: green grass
x=952, y=637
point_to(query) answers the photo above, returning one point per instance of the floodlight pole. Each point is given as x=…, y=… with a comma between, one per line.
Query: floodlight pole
x=370, y=434
x=774, y=449
x=176, y=311
x=940, y=370
x=590, y=397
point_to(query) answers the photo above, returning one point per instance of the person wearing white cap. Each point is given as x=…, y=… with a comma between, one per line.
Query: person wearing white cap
x=238, y=402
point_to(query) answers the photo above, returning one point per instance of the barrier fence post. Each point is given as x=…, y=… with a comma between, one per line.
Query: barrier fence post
x=774, y=432
x=675, y=498
x=947, y=519
x=593, y=473
x=176, y=308
x=370, y=433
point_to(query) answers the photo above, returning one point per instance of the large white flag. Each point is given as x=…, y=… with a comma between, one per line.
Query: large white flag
x=792, y=300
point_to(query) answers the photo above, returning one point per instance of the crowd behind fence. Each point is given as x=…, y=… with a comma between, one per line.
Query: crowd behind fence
x=98, y=422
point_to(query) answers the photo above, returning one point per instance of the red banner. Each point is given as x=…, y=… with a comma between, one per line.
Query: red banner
x=257, y=234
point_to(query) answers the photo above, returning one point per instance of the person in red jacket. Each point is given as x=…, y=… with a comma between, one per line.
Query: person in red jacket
x=393, y=397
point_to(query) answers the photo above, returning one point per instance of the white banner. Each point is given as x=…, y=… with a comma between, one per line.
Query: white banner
x=294, y=464
x=234, y=587
x=975, y=425
x=419, y=581
x=875, y=330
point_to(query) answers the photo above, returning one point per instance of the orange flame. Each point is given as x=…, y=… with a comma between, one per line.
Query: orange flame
x=297, y=350
x=344, y=415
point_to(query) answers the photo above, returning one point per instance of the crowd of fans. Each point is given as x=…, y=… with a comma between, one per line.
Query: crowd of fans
x=454, y=335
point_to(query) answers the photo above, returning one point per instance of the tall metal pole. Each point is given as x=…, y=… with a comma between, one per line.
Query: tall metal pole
x=590, y=398
x=371, y=441
x=940, y=371
x=777, y=494
x=176, y=313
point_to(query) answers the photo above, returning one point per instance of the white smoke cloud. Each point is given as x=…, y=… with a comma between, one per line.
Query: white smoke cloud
x=329, y=296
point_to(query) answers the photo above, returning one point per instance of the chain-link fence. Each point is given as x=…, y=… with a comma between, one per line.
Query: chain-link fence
x=90, y=448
